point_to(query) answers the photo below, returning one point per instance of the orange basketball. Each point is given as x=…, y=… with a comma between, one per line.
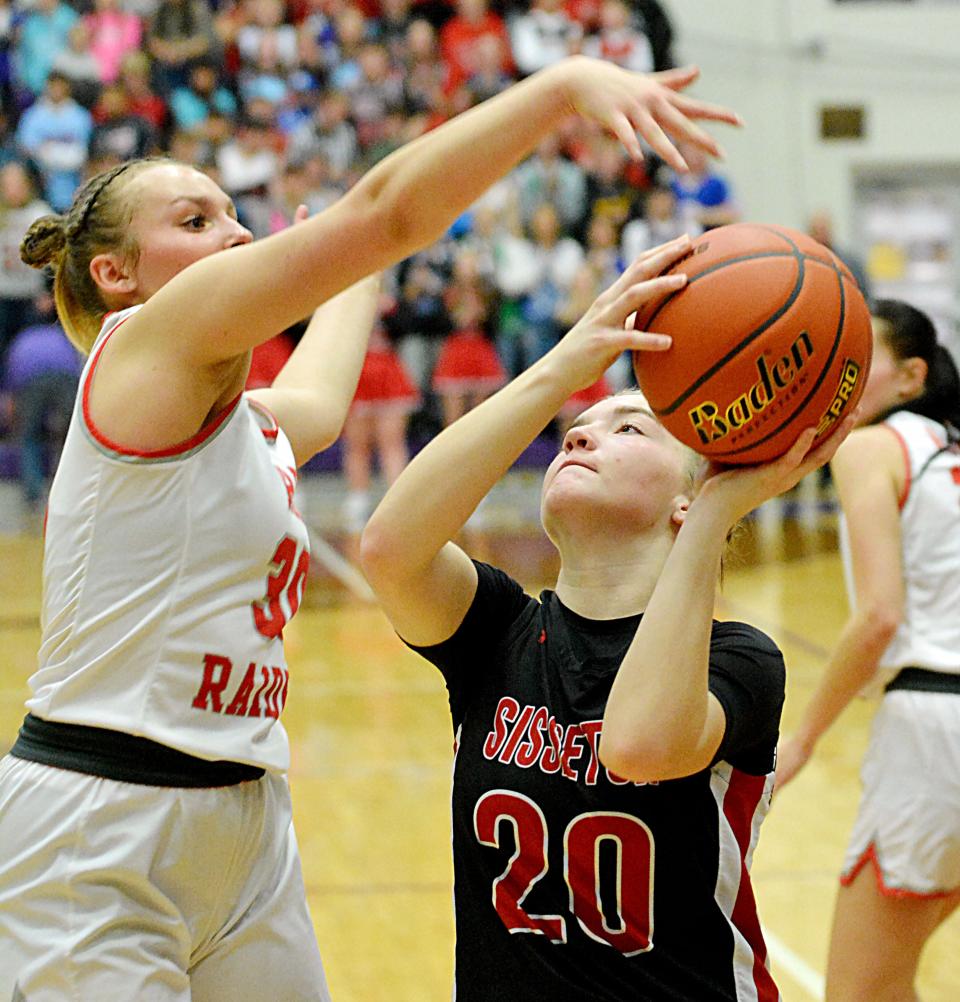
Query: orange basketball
x=771, y=335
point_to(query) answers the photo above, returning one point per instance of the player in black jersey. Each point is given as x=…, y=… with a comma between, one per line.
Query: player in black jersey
x=612, y=769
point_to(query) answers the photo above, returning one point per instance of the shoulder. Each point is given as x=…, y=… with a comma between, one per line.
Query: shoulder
x=731, y=635
x=878, y=446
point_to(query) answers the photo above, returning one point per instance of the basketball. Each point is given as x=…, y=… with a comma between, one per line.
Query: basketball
x=771, y=335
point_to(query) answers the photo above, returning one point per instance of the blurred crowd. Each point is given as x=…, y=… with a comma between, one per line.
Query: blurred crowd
x=288, y=103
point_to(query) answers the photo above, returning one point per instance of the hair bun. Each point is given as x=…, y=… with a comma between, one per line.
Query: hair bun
x=44, y=242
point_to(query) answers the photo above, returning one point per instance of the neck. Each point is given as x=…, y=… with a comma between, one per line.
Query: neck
x=611, y=578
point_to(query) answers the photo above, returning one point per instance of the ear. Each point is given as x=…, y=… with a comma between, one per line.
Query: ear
x=112, y=274
x=913, y=372
x=681, y=504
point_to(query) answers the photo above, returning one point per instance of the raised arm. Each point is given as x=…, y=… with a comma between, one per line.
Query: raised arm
x=313, y=391
x=869, y=473
x=424, y=582
x=226, y=304
x=661, y=720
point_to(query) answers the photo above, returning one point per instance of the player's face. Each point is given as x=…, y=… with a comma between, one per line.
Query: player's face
x=618, y=462
x=890, y=382
x=181, y=216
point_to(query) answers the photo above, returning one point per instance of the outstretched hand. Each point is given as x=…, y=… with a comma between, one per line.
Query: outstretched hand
x=650, y=105
x=740, y=489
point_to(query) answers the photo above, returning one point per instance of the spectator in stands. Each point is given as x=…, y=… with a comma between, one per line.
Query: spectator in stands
x=468, y=369
x=820, y=227
x=375, y=95
x=419, y=320
x=424, y=74
x=376, y=424
x=54, y=132
x=41, y=374
x=141, y=99
x=660, y=223
x=113, y=33
x=549, y=177
x=79, y=65
x=180, y=33
x=488, y=77
x=41, y=38
x=332, y=134
x=392, y=26
x=192, y=104
x=20, y=284
x=119, y=134
x=607, y=190
x=267, y=32
x=655, y=24
x=619, y=39
x=458, y=38
x=351, y=30
x=704, y=195
x=248, y=165
x=543, y=36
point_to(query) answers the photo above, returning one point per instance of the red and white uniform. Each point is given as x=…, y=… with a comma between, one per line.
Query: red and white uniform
x=168, y=577
x=908, y=825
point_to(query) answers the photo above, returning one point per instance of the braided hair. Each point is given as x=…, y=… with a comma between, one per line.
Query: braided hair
x=98, y=221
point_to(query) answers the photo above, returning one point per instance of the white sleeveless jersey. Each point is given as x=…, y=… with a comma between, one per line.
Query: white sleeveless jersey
x=168, y=578
x=929, y=633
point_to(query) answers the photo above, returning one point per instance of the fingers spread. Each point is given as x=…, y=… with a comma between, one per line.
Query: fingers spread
x=624, y=131
x=649, y=128
x=693, y=108
x=677, y=78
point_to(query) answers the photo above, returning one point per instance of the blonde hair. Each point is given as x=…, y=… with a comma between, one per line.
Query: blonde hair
x=98, y=221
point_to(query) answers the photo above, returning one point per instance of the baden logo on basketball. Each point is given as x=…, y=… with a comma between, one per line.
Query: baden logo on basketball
x=713, y=422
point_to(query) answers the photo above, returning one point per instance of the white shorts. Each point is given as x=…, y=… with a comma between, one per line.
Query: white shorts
x=113, y=890
x=908, y=824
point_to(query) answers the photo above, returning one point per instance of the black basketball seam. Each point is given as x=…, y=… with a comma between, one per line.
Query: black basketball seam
x=796, y=253
x=841, y=278
x=752, y=336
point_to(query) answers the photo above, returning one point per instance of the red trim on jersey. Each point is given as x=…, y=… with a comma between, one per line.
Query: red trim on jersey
x=869, y=855
x=739, y=808
x=270, y=434
x=905, y=493
x=174, y=450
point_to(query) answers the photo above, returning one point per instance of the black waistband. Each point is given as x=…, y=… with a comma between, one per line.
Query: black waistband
x=925, y=680
x=116, y=755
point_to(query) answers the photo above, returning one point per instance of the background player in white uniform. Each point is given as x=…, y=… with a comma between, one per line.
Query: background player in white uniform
x=602, y=835
x=899, y=486
x=145, y=843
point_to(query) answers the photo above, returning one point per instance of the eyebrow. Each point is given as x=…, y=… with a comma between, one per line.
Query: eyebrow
x=205, y=203
x=620, y=411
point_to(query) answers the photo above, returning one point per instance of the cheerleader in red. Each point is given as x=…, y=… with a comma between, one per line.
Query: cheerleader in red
x=468, y=369
x=377, y=422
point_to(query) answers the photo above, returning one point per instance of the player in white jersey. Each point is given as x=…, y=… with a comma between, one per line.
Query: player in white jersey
x=146, y=849
x=614, y=744
x=898, y=480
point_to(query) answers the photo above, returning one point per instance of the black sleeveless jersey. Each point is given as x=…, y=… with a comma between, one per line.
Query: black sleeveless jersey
x=570, y=883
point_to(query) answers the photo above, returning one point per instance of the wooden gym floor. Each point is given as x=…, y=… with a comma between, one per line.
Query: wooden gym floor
x=371, y=742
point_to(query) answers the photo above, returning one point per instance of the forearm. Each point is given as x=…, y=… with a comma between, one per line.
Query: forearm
x=313, y=391
x=851, y=666
x=435, y=495
x=434, y=178
x=658, y=709
x=406, y=202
